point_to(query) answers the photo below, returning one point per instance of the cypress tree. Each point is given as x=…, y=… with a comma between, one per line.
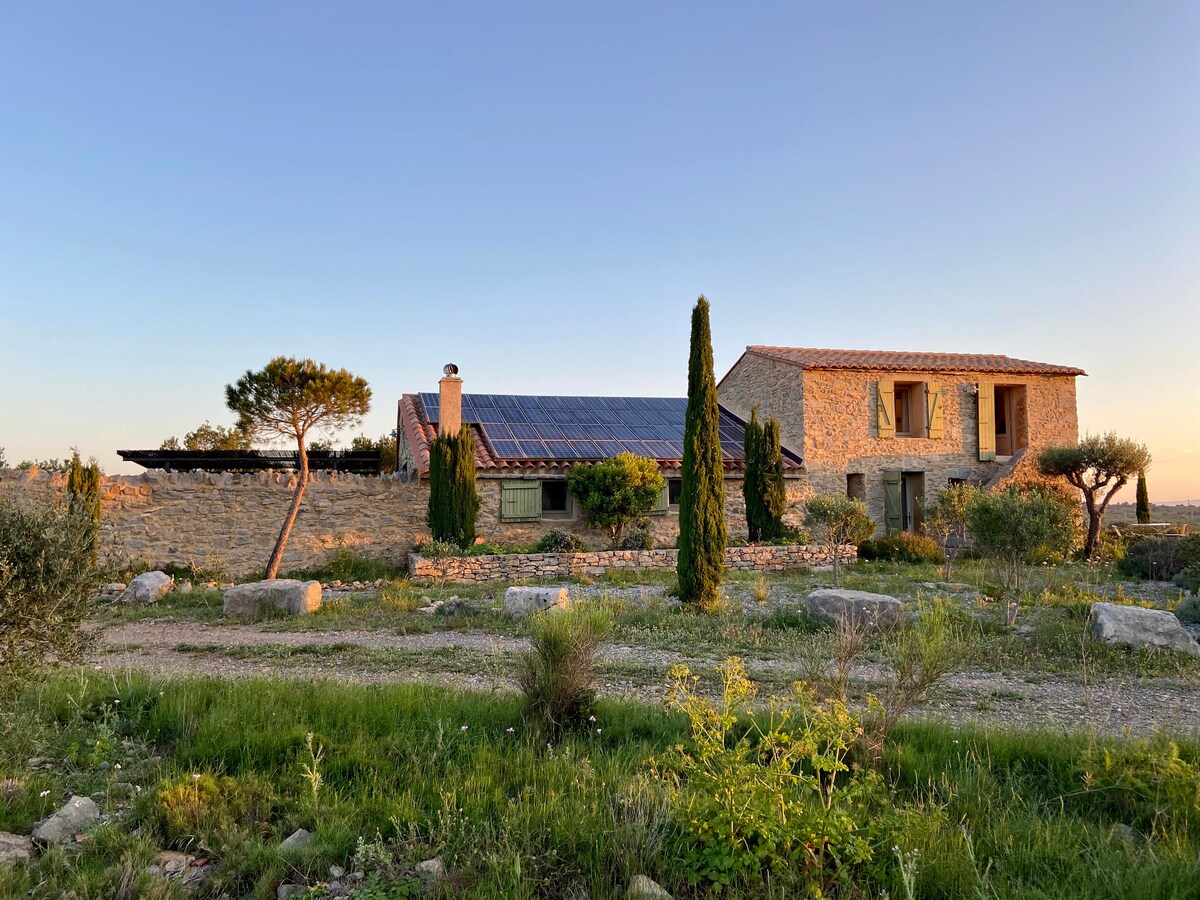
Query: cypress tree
x=702, y=493
x=453, y=502
x=83, y=488
x=774, y=495
x=1143, y=500
x=752, y=482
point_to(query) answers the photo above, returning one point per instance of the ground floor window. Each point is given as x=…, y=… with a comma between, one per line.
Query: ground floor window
x=556, y=500
x=674, y=489
x=856, y=486
x=529, y=499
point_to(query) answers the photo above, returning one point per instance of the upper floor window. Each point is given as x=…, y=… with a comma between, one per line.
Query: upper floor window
x=909, y=409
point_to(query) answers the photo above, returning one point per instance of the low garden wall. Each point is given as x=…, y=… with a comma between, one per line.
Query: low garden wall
x=523, y=566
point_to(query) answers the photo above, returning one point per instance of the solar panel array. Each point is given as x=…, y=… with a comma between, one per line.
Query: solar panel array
x=518, y=427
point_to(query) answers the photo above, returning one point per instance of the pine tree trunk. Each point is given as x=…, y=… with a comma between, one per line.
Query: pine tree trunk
x=286, y=531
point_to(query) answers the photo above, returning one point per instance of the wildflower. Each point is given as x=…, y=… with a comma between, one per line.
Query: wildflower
x=196, y=777
x=117, y=767
x=464, y=728
x=116, y=703
x=44, y=794
x=511, y=729
x=591, y=718
x=598, y=730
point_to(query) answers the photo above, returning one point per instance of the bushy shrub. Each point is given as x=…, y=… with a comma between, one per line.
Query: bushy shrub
x=1188, y=579
x=616, y=491
x=439, y=549
x=1188, y=609
x=557, y=674
x=903, y=546
x=638, y=536
x=836, y=520
x=557, y=541
x=48, y=575
x=1159, y=558
x=767, y=793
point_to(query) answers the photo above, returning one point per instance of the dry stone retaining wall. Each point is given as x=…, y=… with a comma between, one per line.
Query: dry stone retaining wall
x=524, y=566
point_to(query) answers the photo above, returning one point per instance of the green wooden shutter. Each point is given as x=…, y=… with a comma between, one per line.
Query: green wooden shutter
x=934, y=422
x=886, y=408
x=893, y=517
x=520, y=501
x=663, y=503
x=987, y=421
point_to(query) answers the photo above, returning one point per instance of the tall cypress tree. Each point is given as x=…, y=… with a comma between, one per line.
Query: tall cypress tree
x=702, y=493
x=752, y=482
x=1143, y=500
x=774, y=495
x=83, y=488
x=453, y=501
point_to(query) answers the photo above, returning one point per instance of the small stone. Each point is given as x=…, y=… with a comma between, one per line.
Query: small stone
x=114, y=587
x=296, y=842
x=171, y=863
x=184, y=587
x=15, y=848
x=336, y=872
x=643, y=888
x=61, y=827
x=1129, y=835
x=286, y=595
x=431, y=871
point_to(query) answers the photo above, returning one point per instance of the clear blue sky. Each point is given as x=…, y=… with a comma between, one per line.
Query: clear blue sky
x=538, y=192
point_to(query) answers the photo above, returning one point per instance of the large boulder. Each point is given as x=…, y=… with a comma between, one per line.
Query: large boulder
x=14, y=848
x=285, y=595
x=147, y=588
x=72, y=817
x=872, y=610
x=521, y=601
x=1134, y=626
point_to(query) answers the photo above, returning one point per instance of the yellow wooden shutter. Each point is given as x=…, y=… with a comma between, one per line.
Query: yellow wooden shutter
x=520, y=501
x=987, y=421
x=934, y=423
x=887, y=408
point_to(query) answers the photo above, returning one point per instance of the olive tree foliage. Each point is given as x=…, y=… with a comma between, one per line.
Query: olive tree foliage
x=1015, y=530
x=1099, y=467
x=947, y=519
x=288, y=398
x=453, y=501
x=836, y=520
x=212, y=437
x=616, y=491
x=48, y=573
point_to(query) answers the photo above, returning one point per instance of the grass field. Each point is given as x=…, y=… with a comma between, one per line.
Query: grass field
x=226, y=768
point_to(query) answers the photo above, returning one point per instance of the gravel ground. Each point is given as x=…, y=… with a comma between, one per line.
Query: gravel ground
x=1123, y=704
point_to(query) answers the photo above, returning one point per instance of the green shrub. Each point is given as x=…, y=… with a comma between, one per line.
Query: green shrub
x=557, y=541
x=1158, y=558
x=1188, y=609
x=616, y=492
x=48, y=575
x=638, y=536
x=767, y=793
x=836, y=520
x=903, y=546
x=557, y=674
x=453, y=501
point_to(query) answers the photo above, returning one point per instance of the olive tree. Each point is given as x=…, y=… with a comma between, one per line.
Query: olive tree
x=836, y=520
x=1016, y=529
x=288, y=398
x=1099, y=467
x=946, y=519
x=617, y=491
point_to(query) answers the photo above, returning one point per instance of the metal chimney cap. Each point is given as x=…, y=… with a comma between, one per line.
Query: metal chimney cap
x=449, y=369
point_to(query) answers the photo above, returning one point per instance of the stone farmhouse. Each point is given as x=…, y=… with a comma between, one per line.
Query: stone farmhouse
x=888, y=428
x=524, y=446
x=891, y=428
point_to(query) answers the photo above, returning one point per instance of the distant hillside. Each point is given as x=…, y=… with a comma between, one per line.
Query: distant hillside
x=1175, y=513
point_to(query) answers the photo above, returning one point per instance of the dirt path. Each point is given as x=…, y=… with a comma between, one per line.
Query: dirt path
x=476, y=659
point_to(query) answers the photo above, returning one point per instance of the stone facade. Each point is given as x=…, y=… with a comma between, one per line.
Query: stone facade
x=526, y=566
x=228, y=522
x=830, y=417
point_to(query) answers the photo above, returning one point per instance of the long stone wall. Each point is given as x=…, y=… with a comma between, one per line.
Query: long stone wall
x=525, y=566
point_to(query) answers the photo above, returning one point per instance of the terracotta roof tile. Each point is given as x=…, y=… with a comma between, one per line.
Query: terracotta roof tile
x=907, y=361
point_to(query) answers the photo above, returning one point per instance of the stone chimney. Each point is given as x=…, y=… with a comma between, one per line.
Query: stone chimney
x=450, y=401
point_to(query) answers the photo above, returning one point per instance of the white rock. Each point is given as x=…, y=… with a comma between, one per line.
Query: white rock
x=147, y=588
x=1134, y=626
x=874, y=610
x=295, y=842
x=74, y=816
x=286, y=595
x=643, y=888
x=114, y=587
x=431, y=870
x=521, y=601
x=14, y=848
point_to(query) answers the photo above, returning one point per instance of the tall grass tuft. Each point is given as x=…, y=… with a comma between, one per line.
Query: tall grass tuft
x=557, y=674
